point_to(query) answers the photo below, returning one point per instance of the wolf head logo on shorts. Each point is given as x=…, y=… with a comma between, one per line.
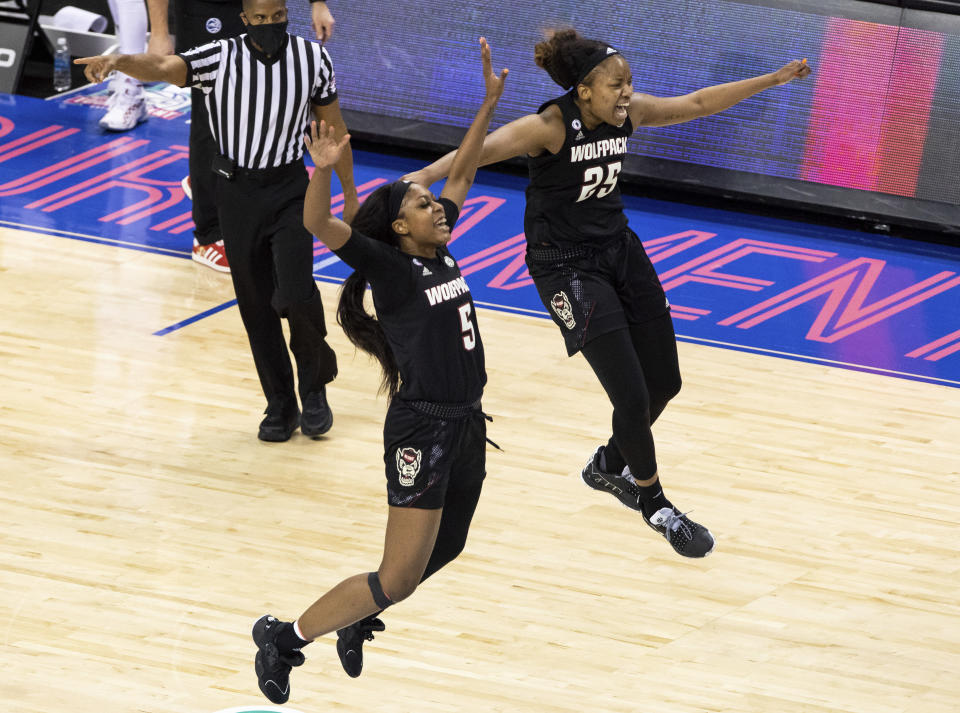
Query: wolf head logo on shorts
x=408, y=465
x=560, y=304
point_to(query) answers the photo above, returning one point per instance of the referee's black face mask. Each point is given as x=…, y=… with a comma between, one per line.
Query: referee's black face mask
x=269, y=36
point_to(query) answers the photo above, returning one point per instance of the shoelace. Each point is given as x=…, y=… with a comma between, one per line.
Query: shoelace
x=675, y=521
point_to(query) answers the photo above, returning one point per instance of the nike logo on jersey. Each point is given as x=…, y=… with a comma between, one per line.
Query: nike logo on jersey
x=447, y=291
x=598, y=149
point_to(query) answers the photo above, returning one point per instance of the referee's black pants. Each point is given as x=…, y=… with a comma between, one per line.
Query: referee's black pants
x=271, y=263
x=203, y=148
x=197, y=23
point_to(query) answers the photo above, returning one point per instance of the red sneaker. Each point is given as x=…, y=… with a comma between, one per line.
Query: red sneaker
x=213, y=255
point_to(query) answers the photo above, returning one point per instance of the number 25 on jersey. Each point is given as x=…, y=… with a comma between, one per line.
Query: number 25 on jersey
x=599, y=181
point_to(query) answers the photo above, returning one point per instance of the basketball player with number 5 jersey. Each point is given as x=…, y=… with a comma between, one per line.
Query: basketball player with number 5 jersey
x=590, y=269
x=426, y=339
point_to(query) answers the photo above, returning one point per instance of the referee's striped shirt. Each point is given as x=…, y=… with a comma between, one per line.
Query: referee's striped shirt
x=259, y=105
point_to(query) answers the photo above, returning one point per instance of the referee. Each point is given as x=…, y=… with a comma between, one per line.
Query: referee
x=197, y=23
x=259, y=88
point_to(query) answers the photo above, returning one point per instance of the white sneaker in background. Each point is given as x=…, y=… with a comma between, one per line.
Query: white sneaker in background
x=126, y=108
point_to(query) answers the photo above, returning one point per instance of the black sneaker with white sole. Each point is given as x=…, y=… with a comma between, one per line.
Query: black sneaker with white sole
x=350, y=643
x=272, y=665
x=688, y=538
x=622, y=487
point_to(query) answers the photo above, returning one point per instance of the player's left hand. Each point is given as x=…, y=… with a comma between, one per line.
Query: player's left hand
x=97, y=68
x=321, y=142
x=797, y=69
x=322, y=20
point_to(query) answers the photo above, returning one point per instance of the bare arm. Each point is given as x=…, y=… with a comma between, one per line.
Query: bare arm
x=531, y=134
x=463, y=167
x=646, y=110
x=160, y=42
x=322, y=20
x=326, y=149
x=330, y=115
x=145, y=67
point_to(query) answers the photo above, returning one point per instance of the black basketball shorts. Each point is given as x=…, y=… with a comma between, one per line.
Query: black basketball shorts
x=592, y=290
x=426, y=457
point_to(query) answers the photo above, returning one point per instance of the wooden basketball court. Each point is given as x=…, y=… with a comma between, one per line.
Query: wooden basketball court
x=145, y=527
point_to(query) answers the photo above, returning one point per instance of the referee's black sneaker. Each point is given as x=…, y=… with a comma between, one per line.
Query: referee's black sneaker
x=317, y=418
x=687, y=537
x=280, y=423
x=350, y=643
x=272, y=665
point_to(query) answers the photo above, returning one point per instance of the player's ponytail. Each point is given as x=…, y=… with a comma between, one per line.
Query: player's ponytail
x=569, y=58
x=362, y=328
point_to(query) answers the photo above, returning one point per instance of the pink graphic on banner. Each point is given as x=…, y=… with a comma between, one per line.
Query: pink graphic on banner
x=513, y=275
x=33, y=141
x=846, y=289
x=945, y=346
x=703, y=269
x=68, y=167
x=868, y=123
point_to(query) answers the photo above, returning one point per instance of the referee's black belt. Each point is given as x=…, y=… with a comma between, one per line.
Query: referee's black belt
x=445, y=411
x=223, y=165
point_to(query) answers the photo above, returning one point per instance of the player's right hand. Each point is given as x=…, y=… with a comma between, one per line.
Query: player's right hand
x=321, y=142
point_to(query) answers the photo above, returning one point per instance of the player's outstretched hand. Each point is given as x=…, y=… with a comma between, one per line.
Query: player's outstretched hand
x=97, y=68
x=797, y=69
x=321, y=142
x=494, y=82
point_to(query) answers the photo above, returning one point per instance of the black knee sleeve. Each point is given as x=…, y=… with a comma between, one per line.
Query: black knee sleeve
x=379, y=597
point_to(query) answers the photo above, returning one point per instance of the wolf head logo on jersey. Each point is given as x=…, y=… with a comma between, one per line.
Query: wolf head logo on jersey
x=560, y=304
x=408, y=465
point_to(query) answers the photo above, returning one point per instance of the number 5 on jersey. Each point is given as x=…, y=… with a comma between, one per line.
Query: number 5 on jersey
x=599, y=180
x=466, y=327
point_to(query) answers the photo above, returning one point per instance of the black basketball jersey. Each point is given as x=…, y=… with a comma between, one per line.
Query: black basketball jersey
x=573, y=195
x=427, y=313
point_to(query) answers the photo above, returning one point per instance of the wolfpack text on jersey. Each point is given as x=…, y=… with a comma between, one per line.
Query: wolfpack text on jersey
x=573, y=196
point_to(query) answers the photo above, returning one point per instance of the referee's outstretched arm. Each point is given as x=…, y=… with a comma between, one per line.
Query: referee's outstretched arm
x=145, y=67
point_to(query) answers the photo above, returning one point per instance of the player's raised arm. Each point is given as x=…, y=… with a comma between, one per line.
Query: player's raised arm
x=646, y=110
x=325, y=150
x=463, y=166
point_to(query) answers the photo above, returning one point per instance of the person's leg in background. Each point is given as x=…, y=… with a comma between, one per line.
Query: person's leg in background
x=127, y=107
x=297, y=299
x=245, y=217
x=197, y=23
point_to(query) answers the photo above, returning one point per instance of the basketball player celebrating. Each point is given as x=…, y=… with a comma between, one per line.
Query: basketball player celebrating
x=590, y=269
x=428, y=345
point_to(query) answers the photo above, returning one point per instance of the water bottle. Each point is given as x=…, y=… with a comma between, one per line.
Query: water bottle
x=61, y=65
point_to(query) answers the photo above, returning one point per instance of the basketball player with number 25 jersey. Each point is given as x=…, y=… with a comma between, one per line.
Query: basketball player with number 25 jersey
x=590, y=269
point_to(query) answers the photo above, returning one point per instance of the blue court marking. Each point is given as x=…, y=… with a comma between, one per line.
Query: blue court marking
x=756, y=284
x=194, y=318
